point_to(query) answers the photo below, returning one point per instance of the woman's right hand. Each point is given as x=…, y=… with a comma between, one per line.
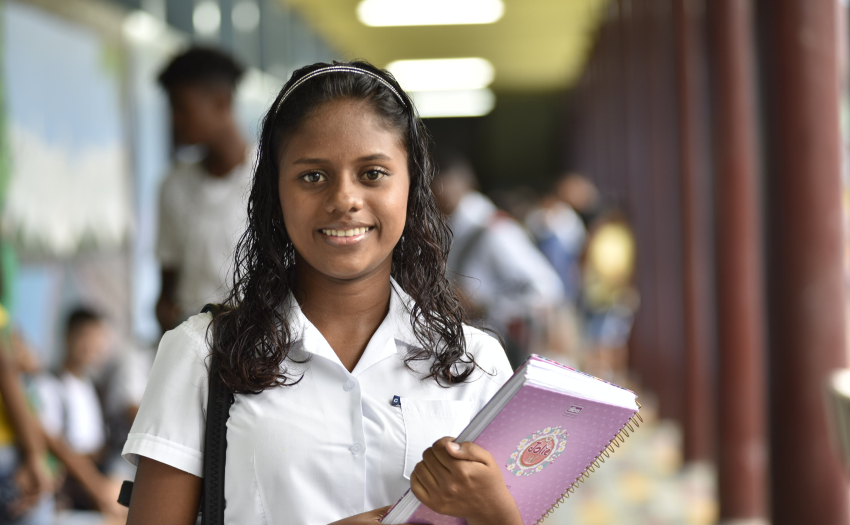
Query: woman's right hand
x=367, y=518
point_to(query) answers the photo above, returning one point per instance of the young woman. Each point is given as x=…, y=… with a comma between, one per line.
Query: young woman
x=344, y=344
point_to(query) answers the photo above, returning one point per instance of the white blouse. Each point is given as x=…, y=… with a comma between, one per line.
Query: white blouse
x=333, y=445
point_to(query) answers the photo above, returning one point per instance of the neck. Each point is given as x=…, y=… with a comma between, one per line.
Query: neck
x=226, y=151
x=74, y=369
x=346, y=312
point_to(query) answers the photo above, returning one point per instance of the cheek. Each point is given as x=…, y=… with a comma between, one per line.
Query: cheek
x=290, y=219
x=200, y=116
x=206, y=119
x=395, y=208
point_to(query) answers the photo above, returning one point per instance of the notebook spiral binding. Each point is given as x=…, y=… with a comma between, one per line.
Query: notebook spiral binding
x=605, y=453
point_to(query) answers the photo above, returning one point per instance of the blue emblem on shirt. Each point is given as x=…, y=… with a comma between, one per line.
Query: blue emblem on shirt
x=396, y=402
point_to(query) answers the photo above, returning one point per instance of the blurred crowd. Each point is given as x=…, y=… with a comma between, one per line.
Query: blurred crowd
x=546, y=272
x=550, y=273
x=59, y=429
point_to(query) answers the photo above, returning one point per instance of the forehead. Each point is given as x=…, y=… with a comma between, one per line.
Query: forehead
x=87, y=328
x=343, y=126
x=187, y=92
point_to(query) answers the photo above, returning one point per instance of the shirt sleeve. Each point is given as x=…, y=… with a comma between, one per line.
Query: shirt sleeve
x=170, y=424
x=168, y=242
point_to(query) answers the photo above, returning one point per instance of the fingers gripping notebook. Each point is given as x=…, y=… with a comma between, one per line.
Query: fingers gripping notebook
x=547, y=427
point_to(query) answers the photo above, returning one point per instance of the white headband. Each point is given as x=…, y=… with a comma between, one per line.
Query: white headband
x=335, y=69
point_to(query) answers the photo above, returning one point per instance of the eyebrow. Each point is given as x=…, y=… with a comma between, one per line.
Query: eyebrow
x=314, y=160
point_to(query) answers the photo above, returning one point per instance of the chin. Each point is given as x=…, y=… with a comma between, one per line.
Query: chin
x=347, y=274
x=349, y=269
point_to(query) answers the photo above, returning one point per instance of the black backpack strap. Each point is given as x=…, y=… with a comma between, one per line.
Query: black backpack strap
x=219, y=400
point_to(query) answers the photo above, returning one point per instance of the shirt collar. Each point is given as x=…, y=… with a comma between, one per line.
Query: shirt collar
x=396, y=327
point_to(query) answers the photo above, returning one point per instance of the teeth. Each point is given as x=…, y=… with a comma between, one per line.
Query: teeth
x=345, y=233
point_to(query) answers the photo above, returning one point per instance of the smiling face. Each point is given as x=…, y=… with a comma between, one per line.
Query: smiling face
x=343, y=190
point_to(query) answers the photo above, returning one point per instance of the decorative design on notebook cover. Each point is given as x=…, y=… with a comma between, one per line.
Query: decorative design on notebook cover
x=537, y=450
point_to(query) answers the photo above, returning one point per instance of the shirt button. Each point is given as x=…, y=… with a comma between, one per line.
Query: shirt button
x=349, y=385
x=356, y=448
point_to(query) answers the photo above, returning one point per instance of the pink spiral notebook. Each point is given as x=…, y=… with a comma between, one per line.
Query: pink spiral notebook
x=548, y=426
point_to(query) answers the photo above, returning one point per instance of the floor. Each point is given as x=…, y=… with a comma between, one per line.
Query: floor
x=644, y=483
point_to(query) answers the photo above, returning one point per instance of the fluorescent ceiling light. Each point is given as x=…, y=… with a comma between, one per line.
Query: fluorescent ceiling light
x=429, y=12
x=459, y=103
x=442, y=74
x=206, y=18
x=141, y=26
x=246, y=16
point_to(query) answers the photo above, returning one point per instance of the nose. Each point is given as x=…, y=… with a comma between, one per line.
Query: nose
x=345, y=195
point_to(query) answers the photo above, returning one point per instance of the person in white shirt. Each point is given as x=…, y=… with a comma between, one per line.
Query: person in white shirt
x=202, y=204
x=71, y=415
x=560, y=235
x=69, y=406
x=342, y=340
x=503, y=276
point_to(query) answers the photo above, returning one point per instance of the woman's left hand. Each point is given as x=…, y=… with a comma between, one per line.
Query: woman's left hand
x=463, y=480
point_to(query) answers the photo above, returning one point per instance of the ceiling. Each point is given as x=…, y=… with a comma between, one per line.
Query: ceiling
x=537, y=45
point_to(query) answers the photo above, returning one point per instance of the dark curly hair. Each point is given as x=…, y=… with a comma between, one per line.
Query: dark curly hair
x=251, y=338
x=201, y=65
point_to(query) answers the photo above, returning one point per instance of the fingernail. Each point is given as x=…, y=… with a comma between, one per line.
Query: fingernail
x=454, y=446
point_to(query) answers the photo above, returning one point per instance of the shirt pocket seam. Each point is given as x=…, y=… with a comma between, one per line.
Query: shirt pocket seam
x=456, y=410
x=257, y=489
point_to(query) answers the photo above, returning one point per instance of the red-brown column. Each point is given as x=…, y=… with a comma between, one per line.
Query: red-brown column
x=696, y=217
x=807, y=289
x=666, y=203
x=742, y=409
x=644, y=348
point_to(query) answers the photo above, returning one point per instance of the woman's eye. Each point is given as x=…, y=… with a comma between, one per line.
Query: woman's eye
x=313, y=177
x=373, y=175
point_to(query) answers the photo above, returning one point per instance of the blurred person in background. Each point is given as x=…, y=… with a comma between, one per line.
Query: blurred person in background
x=503, y=277
x=26, y=483
x=69, y=405
x=33, y=463
x=518, y=201
x=581, y=195
x=560, y=234
x=202, y=207
x=609, y=297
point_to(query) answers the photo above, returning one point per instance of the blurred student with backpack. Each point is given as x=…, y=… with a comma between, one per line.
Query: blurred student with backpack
x=504, y=278
x=560, y=234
